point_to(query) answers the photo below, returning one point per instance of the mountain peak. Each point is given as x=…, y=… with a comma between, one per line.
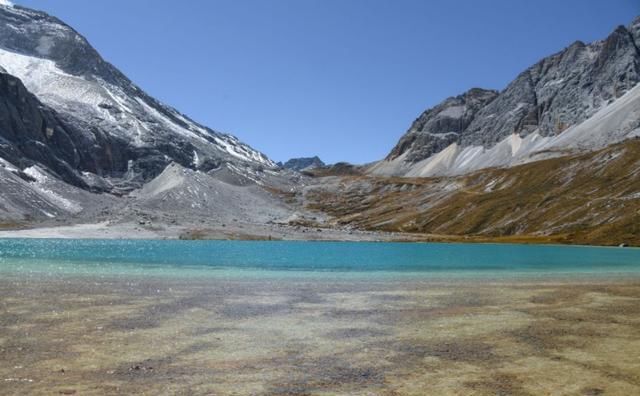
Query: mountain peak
x=126, y=135
x=483, y=128
x=303, y=163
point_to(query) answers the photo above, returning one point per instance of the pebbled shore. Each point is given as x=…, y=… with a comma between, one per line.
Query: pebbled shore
x=232, y=231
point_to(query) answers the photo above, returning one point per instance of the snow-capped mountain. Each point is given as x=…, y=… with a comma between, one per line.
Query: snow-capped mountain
x=88, y=123
x=582, y=98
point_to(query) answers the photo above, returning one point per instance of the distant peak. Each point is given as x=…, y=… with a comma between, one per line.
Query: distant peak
x=303, y=163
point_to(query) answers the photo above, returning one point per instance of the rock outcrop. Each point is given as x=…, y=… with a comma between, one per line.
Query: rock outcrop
x=304, y=163
x=557, y=93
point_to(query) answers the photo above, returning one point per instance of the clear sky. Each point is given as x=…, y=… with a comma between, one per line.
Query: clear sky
x=342, y=79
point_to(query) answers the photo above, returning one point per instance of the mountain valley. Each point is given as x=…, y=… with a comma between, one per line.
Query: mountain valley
x=554, y=157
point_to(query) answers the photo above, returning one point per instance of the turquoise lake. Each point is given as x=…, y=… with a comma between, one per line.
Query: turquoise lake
x=308, y=259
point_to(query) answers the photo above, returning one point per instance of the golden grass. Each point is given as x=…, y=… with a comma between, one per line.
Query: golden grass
x=591, y=198
x=10, y=225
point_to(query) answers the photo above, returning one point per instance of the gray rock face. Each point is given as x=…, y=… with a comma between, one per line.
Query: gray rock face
x=31, y=133
x=299, y=164
x=559, y=91
x=107, y=133
x=38, y=34
x=442, y=125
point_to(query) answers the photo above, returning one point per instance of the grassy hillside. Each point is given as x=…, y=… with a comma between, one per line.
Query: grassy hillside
x=591, y=198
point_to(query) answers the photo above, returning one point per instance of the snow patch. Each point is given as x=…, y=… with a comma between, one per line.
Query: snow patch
x=196, y=159
x=7, y=165
x=42, y=184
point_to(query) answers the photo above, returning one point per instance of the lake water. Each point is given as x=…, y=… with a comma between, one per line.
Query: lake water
x=255, y=259
x=272, y=318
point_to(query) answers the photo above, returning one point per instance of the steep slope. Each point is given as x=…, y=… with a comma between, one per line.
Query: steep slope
x=441, y=126
x=204, y=196
x=35, y=195
x=121, y=136
x=528, y=116
x=591, y=198
x=30, y=133
x=37, y=152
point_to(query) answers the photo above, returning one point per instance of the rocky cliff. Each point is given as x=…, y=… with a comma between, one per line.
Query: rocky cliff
x=483, y=128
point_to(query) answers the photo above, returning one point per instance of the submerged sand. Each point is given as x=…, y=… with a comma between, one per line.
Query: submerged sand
x=114, y=336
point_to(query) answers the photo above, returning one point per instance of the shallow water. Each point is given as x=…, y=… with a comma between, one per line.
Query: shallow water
x=280, y=318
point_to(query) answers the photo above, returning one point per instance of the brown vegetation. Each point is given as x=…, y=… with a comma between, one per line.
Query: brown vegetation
x=589, y=198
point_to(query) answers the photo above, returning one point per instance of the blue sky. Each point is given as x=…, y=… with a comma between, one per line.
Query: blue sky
x=342, y=79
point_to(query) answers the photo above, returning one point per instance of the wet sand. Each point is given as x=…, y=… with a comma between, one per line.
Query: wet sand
x=96, y=336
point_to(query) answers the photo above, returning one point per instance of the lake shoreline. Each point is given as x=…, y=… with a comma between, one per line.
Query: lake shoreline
x=268, y=232
x=284, y=318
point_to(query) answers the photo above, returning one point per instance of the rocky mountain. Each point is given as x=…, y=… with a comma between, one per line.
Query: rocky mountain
x=304, y=163
x=82, y=147
x=533, y=117
x=33, y=133
x=554, y=157
x=81, y=143
x=439, y=127
x=88, y=123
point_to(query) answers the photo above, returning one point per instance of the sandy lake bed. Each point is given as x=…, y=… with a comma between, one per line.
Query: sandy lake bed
x=115, y=335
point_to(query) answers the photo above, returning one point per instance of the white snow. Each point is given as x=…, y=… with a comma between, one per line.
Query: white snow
x=196, y=159
x=82, y=98
x=167, y=122
x=42, y=181
x=6, y=3
x=246, y=173
x=7, y=165
x=52, y=85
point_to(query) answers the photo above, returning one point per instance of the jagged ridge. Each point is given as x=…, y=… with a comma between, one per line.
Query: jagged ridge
x=558, y=92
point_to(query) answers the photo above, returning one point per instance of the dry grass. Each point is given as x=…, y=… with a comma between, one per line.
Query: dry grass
x=10, y=225
x=588, y=199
